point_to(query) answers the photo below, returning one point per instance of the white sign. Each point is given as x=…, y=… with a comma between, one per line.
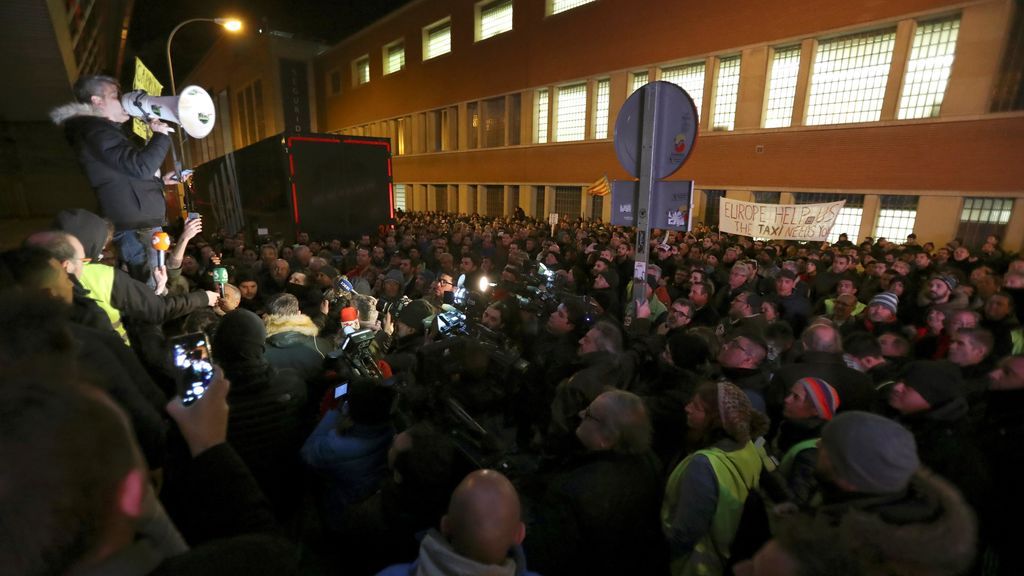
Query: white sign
x=811, y=222
x=553, y=219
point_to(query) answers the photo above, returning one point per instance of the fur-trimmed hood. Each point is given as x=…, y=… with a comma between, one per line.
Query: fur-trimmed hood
x=276, y=324
x=943, y=543
x=62, y=114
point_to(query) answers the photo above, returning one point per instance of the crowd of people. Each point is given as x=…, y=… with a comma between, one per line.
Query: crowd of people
x=767, y=408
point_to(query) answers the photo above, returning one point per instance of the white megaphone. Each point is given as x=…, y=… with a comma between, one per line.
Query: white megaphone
x=192, y=108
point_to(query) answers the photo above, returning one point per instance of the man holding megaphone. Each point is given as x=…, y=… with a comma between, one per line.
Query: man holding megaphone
x=125, y=176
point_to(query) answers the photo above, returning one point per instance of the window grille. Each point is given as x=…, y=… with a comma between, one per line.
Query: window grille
x=689, y=77
x=362, y=66
x=571, y=113
x=639, y=79
x=896, y=217
x=782, y=87
x=601, y=105
x=726, y=93
x=931, y=59
x=437, y=40
x=541, y=117
x=394, y=59
x=559, y=6
x=567, y=201
x=849, y=78
x=494, y=18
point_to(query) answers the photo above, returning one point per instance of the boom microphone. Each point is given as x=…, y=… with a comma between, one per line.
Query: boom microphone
x=192, y=108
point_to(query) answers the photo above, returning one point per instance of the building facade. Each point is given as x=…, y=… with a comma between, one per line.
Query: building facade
x=908, y=109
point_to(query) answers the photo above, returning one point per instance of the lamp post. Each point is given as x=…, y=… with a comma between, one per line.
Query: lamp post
x=229, y=24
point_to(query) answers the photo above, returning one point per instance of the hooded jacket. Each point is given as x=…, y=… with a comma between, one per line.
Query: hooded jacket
x=437, y=558
x=292, y=342
x=123, y=175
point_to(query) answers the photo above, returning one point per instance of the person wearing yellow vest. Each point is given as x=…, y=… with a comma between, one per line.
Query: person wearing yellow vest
x=705, y=493
x=117, y=293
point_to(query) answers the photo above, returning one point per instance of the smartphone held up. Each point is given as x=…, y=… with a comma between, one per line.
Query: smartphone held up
x=193, y=365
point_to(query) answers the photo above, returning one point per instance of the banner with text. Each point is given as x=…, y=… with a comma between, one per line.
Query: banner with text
x=778, y=221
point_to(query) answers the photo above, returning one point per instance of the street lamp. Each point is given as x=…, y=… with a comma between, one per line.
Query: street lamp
x=229, y=24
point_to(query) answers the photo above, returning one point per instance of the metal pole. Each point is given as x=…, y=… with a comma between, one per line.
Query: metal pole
x=645, y=190
x=182, y=196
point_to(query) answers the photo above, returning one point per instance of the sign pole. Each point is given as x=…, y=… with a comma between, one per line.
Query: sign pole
x=642, y=202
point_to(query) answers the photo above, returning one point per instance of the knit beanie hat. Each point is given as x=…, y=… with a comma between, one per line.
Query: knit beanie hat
x=948, y=279
x=739, y=419
x=415, y=314
x=938, y=382
x=822, y=395
x=874, y=454
x=240, y=338
x=886, y=300
x=394, y=276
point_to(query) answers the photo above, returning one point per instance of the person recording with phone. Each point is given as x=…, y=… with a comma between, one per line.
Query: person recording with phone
x=125, y=176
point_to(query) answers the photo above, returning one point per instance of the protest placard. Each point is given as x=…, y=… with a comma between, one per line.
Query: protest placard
x=810, y=222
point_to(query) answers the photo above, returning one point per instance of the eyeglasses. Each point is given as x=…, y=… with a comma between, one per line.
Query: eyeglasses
x=444, y=282
x=681, y=313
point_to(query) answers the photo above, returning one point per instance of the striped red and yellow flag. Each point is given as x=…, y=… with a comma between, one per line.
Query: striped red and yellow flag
x=601, y=187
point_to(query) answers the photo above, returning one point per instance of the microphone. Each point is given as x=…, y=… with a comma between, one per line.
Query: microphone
x=161, y=241
x=220, y=278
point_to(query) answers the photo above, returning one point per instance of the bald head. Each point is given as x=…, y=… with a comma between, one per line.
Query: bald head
x=821, y=338
x=483, y=520
x=66, y=248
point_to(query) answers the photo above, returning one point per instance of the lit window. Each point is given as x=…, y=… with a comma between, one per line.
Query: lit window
x=931, y=58
x=896, y=217
x=362, y=70
x=726, y=93
x=849, y=77
x=541, y=117
x=437, y=39
x=782, y=87
x=559, y=6
x=394, y=57
x=848, y=220
x=689, y=77
x=987, y=210
x=400, y=196
x=493, y=18
x=639, y=79
x=601, y=109
x=571, y=113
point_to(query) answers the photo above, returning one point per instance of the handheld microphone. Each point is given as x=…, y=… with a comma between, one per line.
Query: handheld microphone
x=220, y=278
x=161, y=241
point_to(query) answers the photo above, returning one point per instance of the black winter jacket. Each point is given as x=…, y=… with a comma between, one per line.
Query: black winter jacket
x=123, y=174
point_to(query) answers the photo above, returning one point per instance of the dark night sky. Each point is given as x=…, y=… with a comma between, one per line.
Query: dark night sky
x=152, y=21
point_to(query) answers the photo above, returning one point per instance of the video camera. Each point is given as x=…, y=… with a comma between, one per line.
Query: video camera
x=354, y=359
